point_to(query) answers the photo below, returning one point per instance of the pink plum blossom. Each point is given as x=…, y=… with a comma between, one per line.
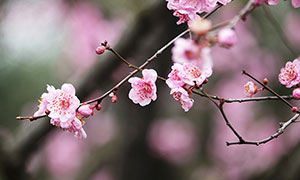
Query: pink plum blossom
x=193, y=75
x=175, y=80
x=227, y=37
x=63, y=155
x=296, y=93
x=187, y=51
x=296, y=3
x=250, y=89
x=182, y=96
x=188, y=10
x=45, y=100
x=290, y=74
x=86, y=110
x=143, y=89
x=184, y=9
x=63, y=105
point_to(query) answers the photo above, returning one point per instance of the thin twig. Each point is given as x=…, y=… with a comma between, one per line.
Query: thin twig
x=220, y=107
x=268, y=88
x=275, y=135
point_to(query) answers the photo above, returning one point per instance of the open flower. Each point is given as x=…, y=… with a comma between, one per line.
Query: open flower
x=250, y=89
x=62, y=105
x=187, y=51
x=290, y=74
x=175, y=79
x=143, y=89
x=182, y=96
x=193, y=75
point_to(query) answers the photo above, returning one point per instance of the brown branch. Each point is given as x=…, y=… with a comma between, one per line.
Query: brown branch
x=275, y=135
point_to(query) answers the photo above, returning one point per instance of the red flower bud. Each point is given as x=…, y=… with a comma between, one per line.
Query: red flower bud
x=294, y=109
x=98, y=107
x=100, y=50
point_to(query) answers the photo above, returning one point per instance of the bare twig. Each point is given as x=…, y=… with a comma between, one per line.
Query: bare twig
x=275, y=135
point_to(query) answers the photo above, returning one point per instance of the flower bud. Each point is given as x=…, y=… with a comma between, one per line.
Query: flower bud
x=296, y=93
x=265, y=81
x=200, y=26
x=98, y=107
x=114, y=98
x=227, y=37
x=294, y=109
x=100, y=50
x=85, y=110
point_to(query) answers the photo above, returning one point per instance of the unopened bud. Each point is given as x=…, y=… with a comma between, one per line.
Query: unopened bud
x=200, y=26
x=114, y=98
x=265, y=81
x=98, y=107
x=227, y=37
x=100, y=50
x=294, y=109
x=85, y=110
x=31, y=118
x=47, y=112
x=296, y=93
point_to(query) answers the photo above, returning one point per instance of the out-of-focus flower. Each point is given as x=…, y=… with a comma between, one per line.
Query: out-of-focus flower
x=272, y=2
x=182, y=96
x=296, y=3
x=200, y=26
x=227, y=37
x=250, y=89
x=64, y=155
x=296, y=93
x=143, y=89
x=103, y=174
x=290, y=74
x=173, y=140
x=187, y=51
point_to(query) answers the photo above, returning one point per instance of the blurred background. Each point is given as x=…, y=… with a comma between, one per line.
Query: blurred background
x=54, y=41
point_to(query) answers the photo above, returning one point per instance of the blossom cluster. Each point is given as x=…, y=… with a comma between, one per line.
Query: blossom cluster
x=290, y=76
x=188, y=10
x=61, y=106
x=192, y=66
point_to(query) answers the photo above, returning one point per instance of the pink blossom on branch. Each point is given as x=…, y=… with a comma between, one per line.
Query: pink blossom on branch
x=182, y=96
x=175, y=79
x=290, y=74
x=62, y=105
x=188, y=10
x=250, y=89
x=143, y=89
x=296, y=93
